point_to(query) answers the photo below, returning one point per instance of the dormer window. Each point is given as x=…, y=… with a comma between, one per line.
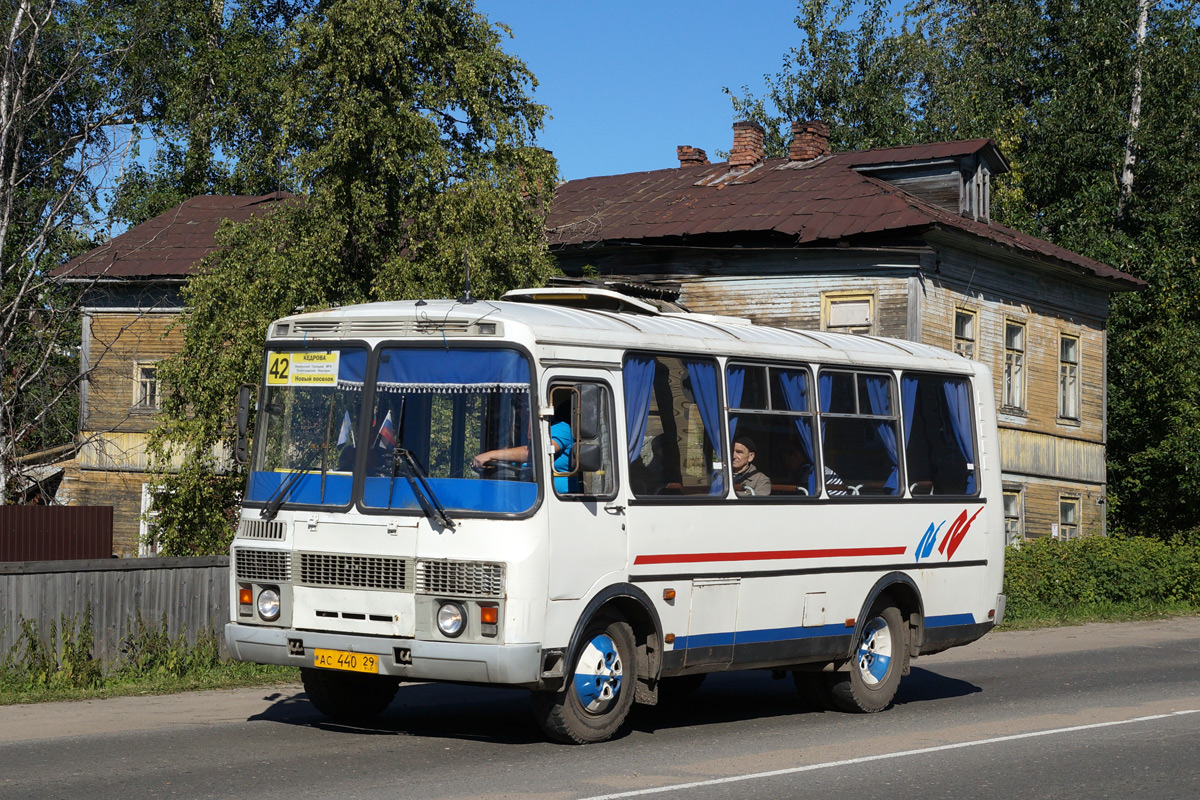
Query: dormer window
x=975, y=194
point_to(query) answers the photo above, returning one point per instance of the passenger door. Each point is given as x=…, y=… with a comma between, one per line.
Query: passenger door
x=586, y=507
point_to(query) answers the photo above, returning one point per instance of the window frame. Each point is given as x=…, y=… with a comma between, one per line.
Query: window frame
x=570, y=382
x=830, y=299
x=1069, y=371
x=1016, y=536
x=959, y=344
x=1069, y=530
x=771, y=411
x=139, y=382
x=1014, y=374
x=895, y=418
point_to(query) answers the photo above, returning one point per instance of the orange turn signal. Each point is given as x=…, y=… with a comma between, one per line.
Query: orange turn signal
x=668, y=594
x=245, y=595
x=489, y=615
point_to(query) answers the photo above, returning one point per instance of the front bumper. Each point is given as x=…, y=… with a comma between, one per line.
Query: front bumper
x=409, y=659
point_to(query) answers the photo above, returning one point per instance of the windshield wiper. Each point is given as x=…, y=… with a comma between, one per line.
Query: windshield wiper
x=419, y=483
x=281, y=494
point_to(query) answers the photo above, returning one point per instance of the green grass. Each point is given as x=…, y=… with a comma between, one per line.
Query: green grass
x=61, y=666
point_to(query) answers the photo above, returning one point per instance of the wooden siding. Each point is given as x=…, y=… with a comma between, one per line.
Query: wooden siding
x=192, y=592
x=1029, y=453
x=794, y=301
x=1041, y=511
x=118, y=341
x=121, y=490
x=998, y=294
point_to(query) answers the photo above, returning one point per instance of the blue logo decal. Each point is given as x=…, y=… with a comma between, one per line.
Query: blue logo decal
x=925, y=546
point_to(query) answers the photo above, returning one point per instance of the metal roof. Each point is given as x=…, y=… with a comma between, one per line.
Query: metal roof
x=169, y=245
x=822, y=202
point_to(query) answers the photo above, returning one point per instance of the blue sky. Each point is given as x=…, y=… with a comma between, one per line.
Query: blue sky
x=628, y=81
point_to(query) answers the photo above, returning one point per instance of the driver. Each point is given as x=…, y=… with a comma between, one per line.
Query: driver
x=561, y=440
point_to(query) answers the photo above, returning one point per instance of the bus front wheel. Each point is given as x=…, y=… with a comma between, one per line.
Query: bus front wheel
x=348, y=696
x=880, y=658
x=598, y=692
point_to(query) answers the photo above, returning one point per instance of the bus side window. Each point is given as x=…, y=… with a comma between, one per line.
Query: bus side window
x=581, y=435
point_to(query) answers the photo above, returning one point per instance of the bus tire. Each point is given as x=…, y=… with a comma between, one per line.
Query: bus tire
x=880, y=658
x=348, y=696
x=598, y=693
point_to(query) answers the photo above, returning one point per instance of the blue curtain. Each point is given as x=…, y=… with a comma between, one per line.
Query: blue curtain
x=415, y=370
x=958, y=402
x=880, y=399
x=735, y=380
x=708, y=400
x=908, y=404
x=352, y=367
x=794, y=385
x=639, y=390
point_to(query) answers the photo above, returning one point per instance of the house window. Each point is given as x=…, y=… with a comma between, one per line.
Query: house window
x=964, y=332
x=1014, y=365
x=1068, y=517
x=1068, y=377
x=147, y=524
x=1013, y=531
x=848, y=313
x=145, y=386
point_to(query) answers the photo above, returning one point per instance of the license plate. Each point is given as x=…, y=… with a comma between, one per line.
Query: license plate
x=350, y=662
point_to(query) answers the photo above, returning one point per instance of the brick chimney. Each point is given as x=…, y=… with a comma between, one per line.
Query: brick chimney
x=747, y=147
x=810, y=139
x=691, y=156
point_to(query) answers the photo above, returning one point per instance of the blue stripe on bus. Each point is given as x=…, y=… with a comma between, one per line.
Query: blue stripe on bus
x=786, y=634
x=946, y=620
x=755, y=637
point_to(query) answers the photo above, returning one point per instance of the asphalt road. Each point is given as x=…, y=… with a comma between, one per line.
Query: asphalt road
x=1099, y=711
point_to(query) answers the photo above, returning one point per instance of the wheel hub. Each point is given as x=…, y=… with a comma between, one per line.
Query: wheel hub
x=598, y=674
x=875, y=652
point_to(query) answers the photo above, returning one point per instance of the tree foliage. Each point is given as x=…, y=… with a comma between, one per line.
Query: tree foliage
x=408, y=132
x=1054, y=83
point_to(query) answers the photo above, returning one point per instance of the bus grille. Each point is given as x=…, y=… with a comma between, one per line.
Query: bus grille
x=354, y=572
x=457, y=578
x=263, y=565
x=262, y=529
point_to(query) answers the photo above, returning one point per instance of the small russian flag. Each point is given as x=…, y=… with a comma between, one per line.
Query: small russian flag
x=387, y=432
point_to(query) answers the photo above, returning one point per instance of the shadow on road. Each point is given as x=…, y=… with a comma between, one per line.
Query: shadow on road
x=502, y=716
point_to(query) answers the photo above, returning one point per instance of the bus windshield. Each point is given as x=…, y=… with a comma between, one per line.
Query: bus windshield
x=445, y=407
x=312, y=402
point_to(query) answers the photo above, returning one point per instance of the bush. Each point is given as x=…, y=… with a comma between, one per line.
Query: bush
x=1048, y=577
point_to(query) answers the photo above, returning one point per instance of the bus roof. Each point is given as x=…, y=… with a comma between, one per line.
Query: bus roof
x=560, y=318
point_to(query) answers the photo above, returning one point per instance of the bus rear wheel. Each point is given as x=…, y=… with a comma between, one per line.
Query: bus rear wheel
x=599, y=690
x=880, y=658
x=348, y=696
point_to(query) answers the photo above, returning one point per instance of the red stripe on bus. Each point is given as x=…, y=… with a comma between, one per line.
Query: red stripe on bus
x=770, y=555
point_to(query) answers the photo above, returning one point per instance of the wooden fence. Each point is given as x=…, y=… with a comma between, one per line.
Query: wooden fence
x=192, y=592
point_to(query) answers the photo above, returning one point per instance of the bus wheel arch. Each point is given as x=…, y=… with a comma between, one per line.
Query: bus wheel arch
x=886, y=638
x=904, y=594
x=613, y=660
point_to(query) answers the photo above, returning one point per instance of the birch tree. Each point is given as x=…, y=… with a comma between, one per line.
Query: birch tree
x=60, y=119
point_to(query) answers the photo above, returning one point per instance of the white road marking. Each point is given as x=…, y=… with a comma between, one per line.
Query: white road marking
x=883, y=757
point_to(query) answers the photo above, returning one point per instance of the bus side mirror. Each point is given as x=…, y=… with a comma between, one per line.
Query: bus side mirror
x=590, y=409
x=588, y=457
x=241, y=452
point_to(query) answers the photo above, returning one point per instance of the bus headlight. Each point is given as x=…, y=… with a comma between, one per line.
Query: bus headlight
x=268, y=604
x=451, y=619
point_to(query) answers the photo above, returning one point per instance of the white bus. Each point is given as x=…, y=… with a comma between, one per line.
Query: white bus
x=587, y=495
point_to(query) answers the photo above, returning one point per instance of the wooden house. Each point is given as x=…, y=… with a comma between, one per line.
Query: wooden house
x=133, y=296
x=895, y=242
